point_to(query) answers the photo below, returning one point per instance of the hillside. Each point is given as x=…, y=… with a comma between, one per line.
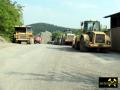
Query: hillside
x=41, y=27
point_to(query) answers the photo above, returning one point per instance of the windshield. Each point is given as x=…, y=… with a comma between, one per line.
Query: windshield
x=20, y=29
x=96, y=26
x=29, y=29
x=90, y=26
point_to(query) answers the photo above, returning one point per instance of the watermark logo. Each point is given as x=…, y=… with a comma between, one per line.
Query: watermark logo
x=108, y=82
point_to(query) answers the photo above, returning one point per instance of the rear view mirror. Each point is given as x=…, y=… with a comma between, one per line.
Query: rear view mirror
x=81, y=23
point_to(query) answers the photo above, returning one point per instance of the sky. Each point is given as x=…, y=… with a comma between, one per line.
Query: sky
x=68, y=13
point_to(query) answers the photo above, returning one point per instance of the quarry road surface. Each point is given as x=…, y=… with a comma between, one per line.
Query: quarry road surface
x=52, y=67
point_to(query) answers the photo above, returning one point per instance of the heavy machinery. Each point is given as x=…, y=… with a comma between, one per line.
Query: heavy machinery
x=23, y=34
x=68, y=39
x=92, y=37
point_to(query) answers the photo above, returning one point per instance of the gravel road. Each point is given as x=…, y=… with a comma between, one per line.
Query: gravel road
x=51, y=67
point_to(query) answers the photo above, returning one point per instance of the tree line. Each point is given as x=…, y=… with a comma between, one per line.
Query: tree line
x=42, y=27
x=10, y=16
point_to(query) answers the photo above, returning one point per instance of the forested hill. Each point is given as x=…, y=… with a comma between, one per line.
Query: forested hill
x=41, y=27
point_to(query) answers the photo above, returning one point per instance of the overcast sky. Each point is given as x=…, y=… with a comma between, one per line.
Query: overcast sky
x=68, y=13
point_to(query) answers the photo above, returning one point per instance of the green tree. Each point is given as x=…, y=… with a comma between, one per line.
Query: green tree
x=10, y=16
x=56, y=35
x=77, y=31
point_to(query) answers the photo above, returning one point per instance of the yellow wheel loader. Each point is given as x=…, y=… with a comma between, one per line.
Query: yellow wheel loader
x=92, y=37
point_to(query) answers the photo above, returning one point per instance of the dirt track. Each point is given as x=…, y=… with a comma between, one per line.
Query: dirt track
x=50, y=67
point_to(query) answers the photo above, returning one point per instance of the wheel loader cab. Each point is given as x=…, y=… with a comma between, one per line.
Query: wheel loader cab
x=88, y=26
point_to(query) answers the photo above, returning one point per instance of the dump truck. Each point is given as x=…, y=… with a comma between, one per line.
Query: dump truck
x=92, y=37
x=68, y=38
x=23, y=34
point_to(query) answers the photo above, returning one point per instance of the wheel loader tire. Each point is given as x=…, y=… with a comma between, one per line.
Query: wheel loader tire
x=77, y=46
x=83, y=48
x=73, y=46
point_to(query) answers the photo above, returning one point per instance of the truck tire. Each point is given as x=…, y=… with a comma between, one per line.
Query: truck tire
x=83, y=48
x=31, y=40
x=73, y=46
x=13, y=40
x=77, y=46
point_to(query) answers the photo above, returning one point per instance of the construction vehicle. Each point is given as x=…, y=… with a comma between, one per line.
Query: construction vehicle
x=68, y=38
x=37, y=39
x=92, y=37
x=23, y=34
